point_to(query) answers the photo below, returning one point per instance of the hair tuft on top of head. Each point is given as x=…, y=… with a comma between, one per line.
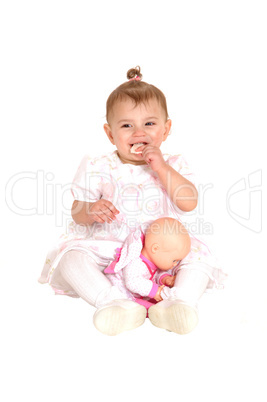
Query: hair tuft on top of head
x=137, y=91
x=134, y=72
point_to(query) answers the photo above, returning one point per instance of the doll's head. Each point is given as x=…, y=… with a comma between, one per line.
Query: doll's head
x=166, y=243
x=136, y=114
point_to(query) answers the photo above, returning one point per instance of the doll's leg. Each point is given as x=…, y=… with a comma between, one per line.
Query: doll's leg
x=115, y=312
x=179, y=312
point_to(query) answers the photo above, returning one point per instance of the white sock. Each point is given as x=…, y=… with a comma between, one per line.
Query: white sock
x=83, y=275
x=190, y=284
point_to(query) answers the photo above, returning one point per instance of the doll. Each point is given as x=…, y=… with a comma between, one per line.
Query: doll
x=142, y=267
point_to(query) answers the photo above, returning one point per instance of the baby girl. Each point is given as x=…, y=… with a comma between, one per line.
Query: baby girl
x=114, y=195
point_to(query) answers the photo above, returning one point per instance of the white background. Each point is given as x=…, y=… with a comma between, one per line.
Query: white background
x=59, y=62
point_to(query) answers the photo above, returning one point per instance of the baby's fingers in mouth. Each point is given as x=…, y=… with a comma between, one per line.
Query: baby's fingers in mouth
x=138, y=147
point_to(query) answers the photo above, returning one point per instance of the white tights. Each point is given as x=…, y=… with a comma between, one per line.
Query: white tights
x=190, y=284
x=82, y=273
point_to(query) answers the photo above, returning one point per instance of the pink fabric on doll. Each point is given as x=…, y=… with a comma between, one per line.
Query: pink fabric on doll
x=111, y=268
x=133, y=270
x=130, y=250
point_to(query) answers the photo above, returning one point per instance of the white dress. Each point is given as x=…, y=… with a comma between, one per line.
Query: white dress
x=137, y=193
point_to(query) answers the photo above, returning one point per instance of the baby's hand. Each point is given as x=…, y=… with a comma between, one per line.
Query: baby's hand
x=157, y=296
x=168, y=280
x=103, y=211
x=153, y=157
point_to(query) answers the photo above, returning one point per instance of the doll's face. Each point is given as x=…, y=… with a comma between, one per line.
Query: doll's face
x=131, y=124
x=166, y=259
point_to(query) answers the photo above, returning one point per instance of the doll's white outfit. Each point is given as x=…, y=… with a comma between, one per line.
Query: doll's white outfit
x=131, y=272
x=137, y=193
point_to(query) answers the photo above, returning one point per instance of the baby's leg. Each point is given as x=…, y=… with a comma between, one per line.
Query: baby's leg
x=82, y=273
x=115, y=312
x=190, y=284
x=179, y=313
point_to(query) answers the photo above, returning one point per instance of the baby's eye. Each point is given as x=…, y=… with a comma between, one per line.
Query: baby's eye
x=126, y=125
x=150, y=123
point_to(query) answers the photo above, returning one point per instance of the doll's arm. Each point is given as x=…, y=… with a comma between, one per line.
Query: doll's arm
x=158, y=297
x=165, y=278
x=168, y=280
x=136, y=281
x=160, y=275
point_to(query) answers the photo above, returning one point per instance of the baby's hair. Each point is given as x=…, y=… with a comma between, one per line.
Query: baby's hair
x=137, y=90
x=134, y=72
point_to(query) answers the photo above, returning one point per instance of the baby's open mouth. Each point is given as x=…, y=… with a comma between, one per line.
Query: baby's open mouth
x=137, y=145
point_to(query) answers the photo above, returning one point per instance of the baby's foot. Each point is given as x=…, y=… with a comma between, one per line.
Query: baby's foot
x=119, y=316
x=174, y=315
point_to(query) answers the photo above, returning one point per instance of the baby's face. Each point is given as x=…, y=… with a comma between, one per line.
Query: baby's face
x=130, y=124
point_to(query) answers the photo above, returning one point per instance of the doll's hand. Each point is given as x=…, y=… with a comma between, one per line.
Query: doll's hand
x=168, y=280
x=103, y=211
x=157, y=296
x=153, y=157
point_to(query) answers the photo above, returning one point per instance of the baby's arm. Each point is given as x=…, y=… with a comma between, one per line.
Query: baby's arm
x=86, y=213
x=181, y=191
